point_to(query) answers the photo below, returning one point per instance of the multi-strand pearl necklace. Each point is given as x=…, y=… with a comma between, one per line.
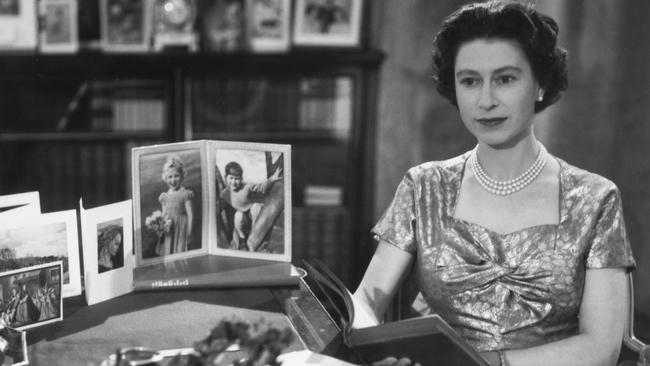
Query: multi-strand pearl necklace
x=508, y=187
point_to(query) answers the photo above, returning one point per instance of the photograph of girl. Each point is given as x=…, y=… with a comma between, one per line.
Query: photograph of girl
x=524, y=255
x=110, y=247
x=170, y=200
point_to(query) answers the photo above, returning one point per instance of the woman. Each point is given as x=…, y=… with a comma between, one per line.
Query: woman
x=523, y=254
x=110, y=241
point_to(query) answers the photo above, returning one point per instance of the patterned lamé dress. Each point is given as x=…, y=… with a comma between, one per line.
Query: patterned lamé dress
x=505, y=291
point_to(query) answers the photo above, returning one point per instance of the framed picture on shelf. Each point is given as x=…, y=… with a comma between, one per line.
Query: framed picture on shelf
x=329, y=23
x=222, y=25
x=18, y=25
x=58, y=33
x=268, y=25
x=126, y=25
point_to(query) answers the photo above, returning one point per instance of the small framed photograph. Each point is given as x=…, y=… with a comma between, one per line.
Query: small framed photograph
x=31, y=296
x=45, y=238
x=223, y=25
x=59, y=26
x=331, y=23
x=170, y=192
x=126, y=25
x=18, y=25
x=107, y=250
x=268, y=25
x=27, y=203
x=253, y=199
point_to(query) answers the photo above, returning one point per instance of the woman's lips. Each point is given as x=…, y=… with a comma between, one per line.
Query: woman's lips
x=490, y=121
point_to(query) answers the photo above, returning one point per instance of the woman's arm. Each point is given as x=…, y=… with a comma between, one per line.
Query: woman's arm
x=602, y=317
x=386, y=271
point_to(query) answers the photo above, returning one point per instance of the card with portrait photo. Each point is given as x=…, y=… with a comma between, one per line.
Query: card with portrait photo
x=27, y=240
x=107, y=237
x=32, y=296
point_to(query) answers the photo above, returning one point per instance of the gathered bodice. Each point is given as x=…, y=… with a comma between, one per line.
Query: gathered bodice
x=513, y=290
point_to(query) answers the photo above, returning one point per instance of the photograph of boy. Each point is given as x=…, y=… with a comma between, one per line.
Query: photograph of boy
x=251, y=204
x=327, y=16
x=30, y=297
x=110, y=248
x=30, y=245
x=170, y=202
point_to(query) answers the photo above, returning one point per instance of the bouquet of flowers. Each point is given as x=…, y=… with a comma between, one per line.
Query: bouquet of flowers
x=158, y=223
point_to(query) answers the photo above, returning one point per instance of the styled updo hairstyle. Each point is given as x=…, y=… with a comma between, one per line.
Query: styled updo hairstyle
x=535, y=32
x=173, y=162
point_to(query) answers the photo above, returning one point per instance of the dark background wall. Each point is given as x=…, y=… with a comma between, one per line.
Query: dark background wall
x=602, y=123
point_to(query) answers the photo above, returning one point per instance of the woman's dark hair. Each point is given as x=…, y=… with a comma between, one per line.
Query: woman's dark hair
x=534, y=31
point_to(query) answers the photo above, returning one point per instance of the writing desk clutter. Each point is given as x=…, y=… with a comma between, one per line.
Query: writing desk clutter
x=173, y=319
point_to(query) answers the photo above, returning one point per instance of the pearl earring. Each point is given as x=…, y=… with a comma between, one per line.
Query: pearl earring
x=540, y=98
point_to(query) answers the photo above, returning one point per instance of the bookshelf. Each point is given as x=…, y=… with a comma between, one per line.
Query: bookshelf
x=69, y=122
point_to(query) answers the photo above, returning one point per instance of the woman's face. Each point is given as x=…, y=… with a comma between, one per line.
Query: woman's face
x=114, y=245
x=496, y=91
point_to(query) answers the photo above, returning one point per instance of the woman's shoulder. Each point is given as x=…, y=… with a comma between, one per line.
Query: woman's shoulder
x=439, y=169
x=585, y=180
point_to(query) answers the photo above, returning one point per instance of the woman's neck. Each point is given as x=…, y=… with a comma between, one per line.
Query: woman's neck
x=508, y=163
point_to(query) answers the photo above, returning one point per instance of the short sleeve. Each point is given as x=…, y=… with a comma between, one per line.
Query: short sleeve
x=397, y=225
x=610, y=247
x=162, y=196
x=189, y=195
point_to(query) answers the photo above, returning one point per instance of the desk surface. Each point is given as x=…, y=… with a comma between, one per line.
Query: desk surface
x=171, y=319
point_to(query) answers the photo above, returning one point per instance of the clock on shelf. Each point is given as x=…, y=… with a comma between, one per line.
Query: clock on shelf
x=174, y=24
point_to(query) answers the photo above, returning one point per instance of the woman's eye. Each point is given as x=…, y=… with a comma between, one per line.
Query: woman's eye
x=505, y=79
x=468, y=82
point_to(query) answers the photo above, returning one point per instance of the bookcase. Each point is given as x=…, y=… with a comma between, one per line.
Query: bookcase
x=70, y=121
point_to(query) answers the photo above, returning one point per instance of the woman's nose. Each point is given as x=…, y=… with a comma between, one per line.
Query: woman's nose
x=486, y=99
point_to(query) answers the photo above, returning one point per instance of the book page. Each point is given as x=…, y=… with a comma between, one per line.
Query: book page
x=364, y=316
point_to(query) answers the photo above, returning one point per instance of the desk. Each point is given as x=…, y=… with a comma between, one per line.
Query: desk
x=173, y=319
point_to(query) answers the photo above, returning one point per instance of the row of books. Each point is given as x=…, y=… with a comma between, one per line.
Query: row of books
x=127, y=105
x=261, y=104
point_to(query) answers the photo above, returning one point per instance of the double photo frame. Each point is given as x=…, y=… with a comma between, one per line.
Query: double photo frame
x=219, y=198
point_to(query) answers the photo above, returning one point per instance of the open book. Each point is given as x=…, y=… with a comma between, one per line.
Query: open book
x=428, y=340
